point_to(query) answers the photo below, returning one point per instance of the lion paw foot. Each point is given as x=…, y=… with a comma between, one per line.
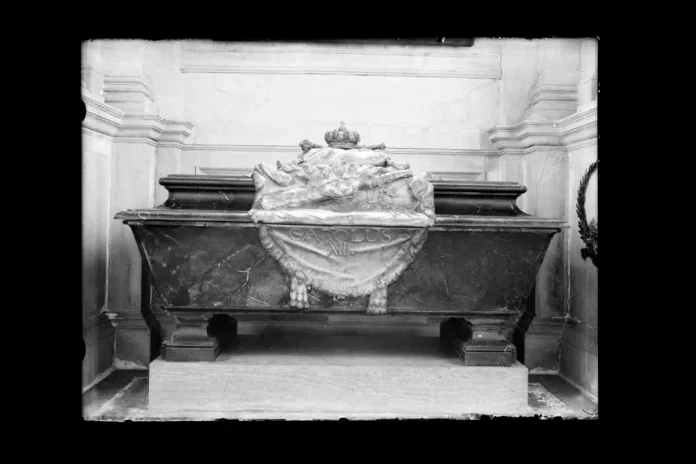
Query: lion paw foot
x=378, y=302
x=298, y=294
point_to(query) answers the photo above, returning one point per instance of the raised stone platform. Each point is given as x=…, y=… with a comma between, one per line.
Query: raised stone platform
x=304, y=377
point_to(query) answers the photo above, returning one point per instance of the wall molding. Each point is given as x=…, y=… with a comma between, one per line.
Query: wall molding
x=582, y=144
x=141, y=127
x=175, y=133
x=101, y=117
x=129, y=93
x=459, y=175
x=331, y=49
x=128, y=84
x=396, y=151
x=105, y=119
x=547, y=327
x=575, y=128
x=361, y=60
x=580, y=126
x=405, y=72
x=224, y=171
x=127, y=320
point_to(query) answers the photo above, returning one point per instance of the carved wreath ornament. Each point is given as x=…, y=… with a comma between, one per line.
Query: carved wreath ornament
x=588, y=232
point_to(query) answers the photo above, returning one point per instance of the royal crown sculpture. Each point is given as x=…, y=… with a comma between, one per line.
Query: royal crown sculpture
x=363, y=218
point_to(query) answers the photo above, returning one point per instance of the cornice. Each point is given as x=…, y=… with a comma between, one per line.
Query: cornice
x=359, y=60
x=141, y=127
x=175, y=133
x=101, y=117
x=550, y=102
x=333, y=49
x=127, y=84
x=345, y=71
x=569, y=130
x=580, y=126
x=550, y=92
x=131, y=93
x=582, y=144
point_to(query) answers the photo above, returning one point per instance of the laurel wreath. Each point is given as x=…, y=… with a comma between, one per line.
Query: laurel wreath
x=588, y=232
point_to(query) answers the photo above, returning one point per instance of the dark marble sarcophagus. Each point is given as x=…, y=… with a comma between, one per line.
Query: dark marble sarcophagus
x=473, y=265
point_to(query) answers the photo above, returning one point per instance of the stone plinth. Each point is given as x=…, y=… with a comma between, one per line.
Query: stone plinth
x=306, y=377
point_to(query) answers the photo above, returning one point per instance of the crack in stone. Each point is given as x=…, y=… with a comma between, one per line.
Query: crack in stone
x=221, y=262
x=259, y=301
x=171, y=238
x=246, y=281
x=444, y=272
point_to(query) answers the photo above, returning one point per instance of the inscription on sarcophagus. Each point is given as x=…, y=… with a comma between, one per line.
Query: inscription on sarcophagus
x=341, y=261
x=341, y=242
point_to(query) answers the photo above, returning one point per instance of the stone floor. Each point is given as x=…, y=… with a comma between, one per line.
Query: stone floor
x=123, y=395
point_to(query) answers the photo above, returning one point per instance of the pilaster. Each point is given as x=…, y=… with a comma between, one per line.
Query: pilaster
x=132, y=186
x=92, y=69
x=535, y=153
x=146, y=147
x=587, y=84
x=554, y=94
x=100, y=124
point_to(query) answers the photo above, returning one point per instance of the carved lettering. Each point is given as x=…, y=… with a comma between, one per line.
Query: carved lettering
x=297, y=234
x=367, y=235
x=345, y=237
x=312, y=233
x=384, y=237
x=355, y=235
x=339, y=248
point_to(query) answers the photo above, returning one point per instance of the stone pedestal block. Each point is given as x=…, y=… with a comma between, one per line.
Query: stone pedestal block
x=305, y=377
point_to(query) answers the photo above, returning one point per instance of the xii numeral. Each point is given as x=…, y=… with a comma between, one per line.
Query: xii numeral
x=339, y=248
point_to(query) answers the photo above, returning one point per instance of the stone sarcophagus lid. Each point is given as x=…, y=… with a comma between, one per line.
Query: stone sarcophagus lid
x=342, y=229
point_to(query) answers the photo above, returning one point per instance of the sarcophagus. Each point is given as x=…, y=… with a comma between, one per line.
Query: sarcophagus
x=343, y=230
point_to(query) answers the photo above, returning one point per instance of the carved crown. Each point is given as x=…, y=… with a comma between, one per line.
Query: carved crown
x=342, y=137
